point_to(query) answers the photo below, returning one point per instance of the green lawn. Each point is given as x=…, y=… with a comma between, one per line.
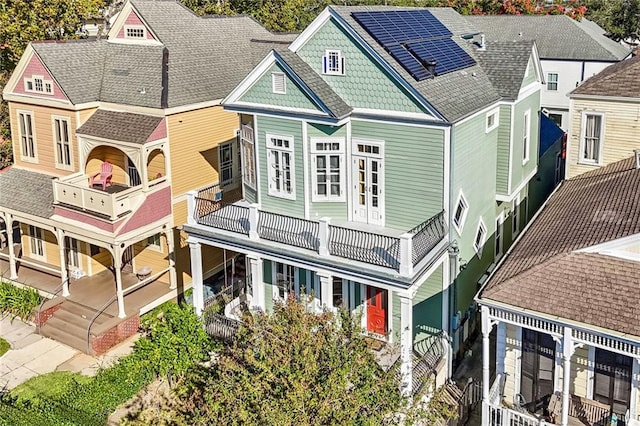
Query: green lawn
x=4, y=346
x=51, y=386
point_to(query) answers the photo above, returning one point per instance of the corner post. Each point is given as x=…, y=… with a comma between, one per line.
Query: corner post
x=254, y=214
x=196, y=276
x=406, y=346
x=406, y=254
x=323, y=236
x=191, y=207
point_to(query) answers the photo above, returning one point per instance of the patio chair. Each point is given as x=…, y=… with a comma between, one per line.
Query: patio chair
x=104, y=177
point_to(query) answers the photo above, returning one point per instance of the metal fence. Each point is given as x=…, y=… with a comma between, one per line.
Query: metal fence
x=217, y=214
x=289, y=230
x=364, y=246
x=426, y=236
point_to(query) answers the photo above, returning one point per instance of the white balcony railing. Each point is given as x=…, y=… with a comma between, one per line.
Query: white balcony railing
x=74, y=191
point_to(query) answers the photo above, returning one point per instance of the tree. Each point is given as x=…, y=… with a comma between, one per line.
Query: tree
x=621, y=18
x=294, y=367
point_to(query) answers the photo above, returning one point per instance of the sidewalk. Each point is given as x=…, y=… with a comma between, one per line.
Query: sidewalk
x=32, y=355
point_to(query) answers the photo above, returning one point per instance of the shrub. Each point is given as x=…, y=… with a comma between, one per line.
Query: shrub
x=18, y=302
x=48, y=386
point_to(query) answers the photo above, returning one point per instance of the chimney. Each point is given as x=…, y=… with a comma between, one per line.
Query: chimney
x=637, y=154
x=483, y=42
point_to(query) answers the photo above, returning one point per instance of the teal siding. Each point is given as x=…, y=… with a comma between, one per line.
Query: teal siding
x=530, y=75
x=474, y=155
x=261, y=92
x=504, y=136
x=281, y=127
x=519, y=171
x=413, y=170
x=250, y=194
x=427, y=307
x=365, y=84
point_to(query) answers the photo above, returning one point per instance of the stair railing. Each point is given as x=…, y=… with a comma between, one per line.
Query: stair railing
x=45, y=300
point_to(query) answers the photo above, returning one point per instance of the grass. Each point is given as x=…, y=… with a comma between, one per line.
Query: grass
x=4, y=346
x=48, y=386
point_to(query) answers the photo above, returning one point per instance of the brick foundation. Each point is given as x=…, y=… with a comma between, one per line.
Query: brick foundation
x=44, y=315
x=116, y=334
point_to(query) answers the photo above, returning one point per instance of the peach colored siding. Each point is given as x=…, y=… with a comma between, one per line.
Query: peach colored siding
x=84, y=115
x=101, y=261
x=155, y=164
x=146, y=255
x=43, y=136
x=513, y=346
x=50, y=246
x=621, y=131
x=179, y=213
x=112, y=155
x=194, y=136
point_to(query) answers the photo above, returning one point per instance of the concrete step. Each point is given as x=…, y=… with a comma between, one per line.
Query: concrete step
x=64, y=337
x=72, y=327
x=83, y=312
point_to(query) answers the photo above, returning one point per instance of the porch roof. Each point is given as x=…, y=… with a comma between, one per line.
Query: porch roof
x=120, y=126
x=27, y=192
x=545, y=272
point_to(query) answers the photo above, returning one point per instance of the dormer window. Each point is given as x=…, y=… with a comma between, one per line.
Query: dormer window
x=134, y=32
x=333, y=62
x=38, y=84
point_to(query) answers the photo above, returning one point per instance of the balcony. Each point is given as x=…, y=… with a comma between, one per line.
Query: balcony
x=113, y=203
x=383, y=247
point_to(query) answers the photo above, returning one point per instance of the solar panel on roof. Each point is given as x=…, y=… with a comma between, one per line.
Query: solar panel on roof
x=413, y=38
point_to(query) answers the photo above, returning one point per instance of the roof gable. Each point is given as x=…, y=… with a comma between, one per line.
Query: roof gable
x=123, y=127
x=617, y=80
x=32, y=78
x=130, y=28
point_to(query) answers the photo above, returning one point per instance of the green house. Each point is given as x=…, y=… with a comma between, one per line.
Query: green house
x=386, y=155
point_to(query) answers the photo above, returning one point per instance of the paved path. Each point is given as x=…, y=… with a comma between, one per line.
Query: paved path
x=31, y=355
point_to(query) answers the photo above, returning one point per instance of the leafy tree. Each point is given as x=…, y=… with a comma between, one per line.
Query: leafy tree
x=621, y=18
x=294, y=367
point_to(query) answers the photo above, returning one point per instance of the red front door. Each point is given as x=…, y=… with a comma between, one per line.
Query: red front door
x=376, y=310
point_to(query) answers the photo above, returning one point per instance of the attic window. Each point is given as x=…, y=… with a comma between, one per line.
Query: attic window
x=38, y=84
x=279, y=83
x=492, y=120
x=134, y=32
x=333, y=63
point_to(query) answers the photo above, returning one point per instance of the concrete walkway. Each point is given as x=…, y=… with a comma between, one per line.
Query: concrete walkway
x=32, y=355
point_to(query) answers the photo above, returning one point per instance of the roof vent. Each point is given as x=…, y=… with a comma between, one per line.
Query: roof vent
x=483, y=42
x=637, y=153
x=430, y=66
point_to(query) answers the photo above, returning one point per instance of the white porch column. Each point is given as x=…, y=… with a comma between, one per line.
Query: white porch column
x=326, y=289
x=567, y=351
x=635, y=371
x=173, y=279
x=64, y=272
x=254, y=214
x=486, y=331
x=191, y=207
x=117, y=256
x=406, y=346
x=257, y=282
x=13, y=270
x=323, y=236
x=195, y=250
x=406, y=254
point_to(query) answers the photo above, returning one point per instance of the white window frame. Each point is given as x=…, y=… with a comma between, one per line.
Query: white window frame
x=499, y=237
x=274, y=86
x=515, y=219
x=248, y=158
x=327, y=153
x=275, y=178
x=229, y=164
x=133, y=28
x=551, y=81
x=583, y=134
x=478, y=247
x=46, y=86
x=526, y=136
x=465, y=210
x=285, y=276
x=37, y=243
x=495, y=113
x=74, y=261
x=26, y=156
x=60, y=163
x=326, y=68
x=154, y=242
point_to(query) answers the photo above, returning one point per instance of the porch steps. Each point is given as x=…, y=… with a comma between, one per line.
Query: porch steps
x=69, y=324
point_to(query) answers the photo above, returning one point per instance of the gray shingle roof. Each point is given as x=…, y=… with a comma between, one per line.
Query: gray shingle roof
x=15, y=184
x=454, y=95
x=543, y=267
x=201, y=59
x=120, y=126
x=505, y=63
x=557, y=36
x=620, y=80
x=332, y=101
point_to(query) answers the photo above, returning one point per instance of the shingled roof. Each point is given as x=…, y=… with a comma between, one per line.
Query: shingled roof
x=544, y=269
x=120, y=126
x=619, y=80
x=27, y=192
x=557, y=36
x=506, y=63
x=200, y=59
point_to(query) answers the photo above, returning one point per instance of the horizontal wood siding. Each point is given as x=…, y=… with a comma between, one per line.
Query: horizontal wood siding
x=413, y=170
x=621, y=130
x=103, y=153
x=520, y=171
x=83, y=115
x=155, y=164
x=281, y=127
x=512, y=352
x=179, y=213
x=145, y=255
x=427, y=307
x=101, y=261
x=503, y=151
x=193, y=140
x=579, y=372
x=43, y=137
x=50, y=246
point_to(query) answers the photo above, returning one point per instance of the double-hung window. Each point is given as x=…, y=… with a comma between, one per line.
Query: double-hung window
x=460, y=213
x=327, y=156
x=154, y=242
x=333, y=62
x=552, y=82
x=515, y=222
x=284, y=280
x=36, y=241
x=281, y=170
x=248, y=156
x=27, y=139
x=526, y=136
x=591, y=143
x=481, y=238
x=225, y=159
x=499, y=236
x=62, y=141
x=38, y=84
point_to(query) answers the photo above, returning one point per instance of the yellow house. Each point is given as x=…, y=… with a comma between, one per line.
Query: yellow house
x=109, y=136
x=605, y=118
x=561, y=336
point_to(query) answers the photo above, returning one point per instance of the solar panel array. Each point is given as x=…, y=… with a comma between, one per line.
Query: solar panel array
x=414, y=38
